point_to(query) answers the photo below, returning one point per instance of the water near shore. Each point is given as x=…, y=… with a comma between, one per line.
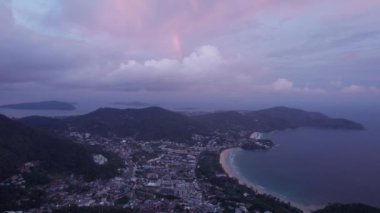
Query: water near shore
x=313, y=167
x=227, y=160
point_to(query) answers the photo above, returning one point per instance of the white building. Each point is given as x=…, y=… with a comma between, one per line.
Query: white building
x=100, y=159
x=256, y=136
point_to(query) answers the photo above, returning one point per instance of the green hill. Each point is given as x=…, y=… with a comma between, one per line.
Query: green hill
x=20, y=144
x=348, y=208
x=158, y=123
x=277, y=118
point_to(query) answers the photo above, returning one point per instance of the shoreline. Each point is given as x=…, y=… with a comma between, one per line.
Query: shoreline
x=226, y=159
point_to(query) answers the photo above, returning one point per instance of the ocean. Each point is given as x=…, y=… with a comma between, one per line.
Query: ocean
x=314, y=167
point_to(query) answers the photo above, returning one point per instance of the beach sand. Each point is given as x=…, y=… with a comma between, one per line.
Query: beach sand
x=226, y=159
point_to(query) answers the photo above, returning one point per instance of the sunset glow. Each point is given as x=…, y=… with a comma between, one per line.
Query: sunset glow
x=317, y=50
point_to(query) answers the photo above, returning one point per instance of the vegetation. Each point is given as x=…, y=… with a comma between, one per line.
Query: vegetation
x=51, y=155
x=13, y=198
x=146, y=124
x=20, y=144
x=37, y=176
x=122, y=201
x=348, y=208
x=167, y=197
x=154, y=123
x=276, y=118
x=143, y=156
x=264, y=144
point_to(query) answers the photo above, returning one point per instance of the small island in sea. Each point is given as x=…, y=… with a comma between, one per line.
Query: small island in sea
x=43, y=105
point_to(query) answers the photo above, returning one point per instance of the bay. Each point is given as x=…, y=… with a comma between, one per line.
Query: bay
x=319, y=166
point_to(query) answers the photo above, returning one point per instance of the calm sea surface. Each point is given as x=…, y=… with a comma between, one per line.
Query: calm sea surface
x=318, y=166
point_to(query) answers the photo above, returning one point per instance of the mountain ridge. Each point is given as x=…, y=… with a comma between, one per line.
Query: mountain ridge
x=20, y=144
x=154, y=123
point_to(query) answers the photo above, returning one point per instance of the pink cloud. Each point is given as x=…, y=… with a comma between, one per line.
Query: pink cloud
x=149, y=44
x=353, y=89
x=172, y=23
x=375, y=90
x=359, y=89
x=283, y=85
x=174, y=27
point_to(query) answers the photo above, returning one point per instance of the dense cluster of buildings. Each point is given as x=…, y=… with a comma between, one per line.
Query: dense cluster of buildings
x=156, y=175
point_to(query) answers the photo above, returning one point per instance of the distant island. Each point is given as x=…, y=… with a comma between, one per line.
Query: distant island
x=43, y=105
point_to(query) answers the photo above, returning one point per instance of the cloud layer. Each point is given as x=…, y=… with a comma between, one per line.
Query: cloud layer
x=220, y=47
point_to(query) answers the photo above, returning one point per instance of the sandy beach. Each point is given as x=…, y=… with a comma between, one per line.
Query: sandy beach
x=226, y=159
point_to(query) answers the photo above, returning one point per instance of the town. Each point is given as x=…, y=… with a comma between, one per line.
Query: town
x=155, y=175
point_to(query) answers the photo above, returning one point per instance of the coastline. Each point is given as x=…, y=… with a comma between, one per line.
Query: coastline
x=226, y=159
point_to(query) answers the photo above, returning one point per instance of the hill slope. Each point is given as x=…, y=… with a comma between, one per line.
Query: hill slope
x=348, y=208
x=20, y=144
x=158, y=123
x=147, y=123
x=276, y=118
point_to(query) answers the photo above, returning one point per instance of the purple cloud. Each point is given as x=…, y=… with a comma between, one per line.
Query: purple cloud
x=221, y=47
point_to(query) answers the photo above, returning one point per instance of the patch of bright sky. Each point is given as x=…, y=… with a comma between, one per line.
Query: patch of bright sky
x=33, y=14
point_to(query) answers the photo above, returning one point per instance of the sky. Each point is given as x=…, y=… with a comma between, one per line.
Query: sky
x=191, y=53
